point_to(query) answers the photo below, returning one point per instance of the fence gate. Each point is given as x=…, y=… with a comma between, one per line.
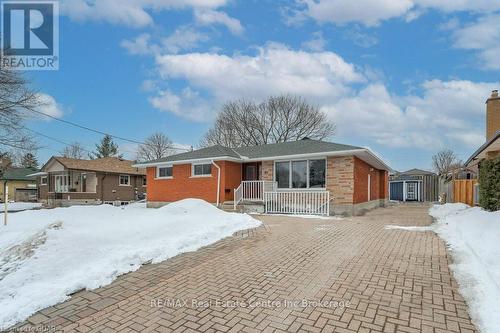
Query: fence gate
x=463, y=191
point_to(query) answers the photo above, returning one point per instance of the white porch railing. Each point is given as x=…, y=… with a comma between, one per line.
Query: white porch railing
x=297, y=202
x=253, y=190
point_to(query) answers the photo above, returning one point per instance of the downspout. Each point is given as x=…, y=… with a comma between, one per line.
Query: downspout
x=218, y=182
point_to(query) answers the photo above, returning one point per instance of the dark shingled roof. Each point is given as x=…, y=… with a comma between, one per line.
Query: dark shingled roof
x=306, y=146
x=208, y=152
x=18, y=174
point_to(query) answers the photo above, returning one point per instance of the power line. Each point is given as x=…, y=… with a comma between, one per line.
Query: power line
x=54, y=139
x=98, y=131
x=86, y=128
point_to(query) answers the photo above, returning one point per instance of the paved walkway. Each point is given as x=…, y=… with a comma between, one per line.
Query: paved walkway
x=293, y=275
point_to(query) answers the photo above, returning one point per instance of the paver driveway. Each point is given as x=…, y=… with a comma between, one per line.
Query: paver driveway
x=388, y=280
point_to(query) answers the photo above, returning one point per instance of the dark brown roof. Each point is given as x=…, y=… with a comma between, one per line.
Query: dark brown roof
x=106, y=164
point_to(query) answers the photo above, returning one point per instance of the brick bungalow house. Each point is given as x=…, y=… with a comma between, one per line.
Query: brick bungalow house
x=67, y=181
x=302, y=177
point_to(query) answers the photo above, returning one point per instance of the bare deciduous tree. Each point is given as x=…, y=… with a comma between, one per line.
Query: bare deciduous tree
x=156, y=146
x=445, y=161
x=74, y=150
x=278, y=119
x=15, y=99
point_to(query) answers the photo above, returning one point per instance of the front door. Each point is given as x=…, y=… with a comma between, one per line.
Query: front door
x=251, y=171
x=411, y=191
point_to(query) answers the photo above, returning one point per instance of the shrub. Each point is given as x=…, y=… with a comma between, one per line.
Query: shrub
x=489, y=184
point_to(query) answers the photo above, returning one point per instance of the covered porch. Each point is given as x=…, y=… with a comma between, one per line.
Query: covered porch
x=71, y=181
x=274, y=198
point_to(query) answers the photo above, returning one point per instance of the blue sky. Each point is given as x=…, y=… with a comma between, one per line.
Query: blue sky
x=403, y=77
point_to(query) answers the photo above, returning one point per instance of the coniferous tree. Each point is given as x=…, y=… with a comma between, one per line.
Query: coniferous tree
x=29, y=160
x=106, y=148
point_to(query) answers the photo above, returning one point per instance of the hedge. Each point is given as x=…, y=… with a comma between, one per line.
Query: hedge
x=489, y=184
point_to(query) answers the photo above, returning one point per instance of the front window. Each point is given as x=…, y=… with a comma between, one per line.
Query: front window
x=283, y=174
x=202, y=169
x=124, y=180
x=165, y=172
x=43, y=180
x=317, y=171
x=301, y=174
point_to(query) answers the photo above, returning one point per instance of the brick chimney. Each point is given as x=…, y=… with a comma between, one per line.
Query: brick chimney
x=492, y=115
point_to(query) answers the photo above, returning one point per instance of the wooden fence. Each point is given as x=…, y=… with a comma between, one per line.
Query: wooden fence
x=464, y=191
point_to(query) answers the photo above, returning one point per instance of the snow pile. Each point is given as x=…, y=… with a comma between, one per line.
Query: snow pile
x=45, y=255
x=473, y=236
x=18, y=206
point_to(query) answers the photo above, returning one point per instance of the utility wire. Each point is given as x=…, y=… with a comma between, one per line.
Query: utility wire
x=97, y=131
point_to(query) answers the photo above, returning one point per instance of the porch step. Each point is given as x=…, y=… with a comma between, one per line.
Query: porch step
x=243, y=207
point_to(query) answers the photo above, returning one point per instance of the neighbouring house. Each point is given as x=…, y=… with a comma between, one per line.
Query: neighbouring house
x=414, y=185
x=21, y=187
x=491, y=148
x=467, y=190
x=300, y=177
x=68, y=181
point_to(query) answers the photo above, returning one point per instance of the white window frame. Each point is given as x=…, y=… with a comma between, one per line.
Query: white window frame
x=120, y=180
x=46, y=180
x=164, y=166
x=203, y=175
x=290, y=188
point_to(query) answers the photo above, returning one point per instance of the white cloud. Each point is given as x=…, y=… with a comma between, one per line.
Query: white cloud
x=133, y=13
x=316, y=43
x=368, y=12
x=373, y=12
x=274, y=69
x=141, y=45
x=361, y=39
x=49, y=106
x=438, y=113
x=484, y=36
x=211, y=17
x=446, y=113
x=187, y=105
x=183, y=38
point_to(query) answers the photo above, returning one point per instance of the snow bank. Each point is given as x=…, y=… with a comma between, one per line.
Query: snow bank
x=473, y=236
x=45, y=255
x=18, y=206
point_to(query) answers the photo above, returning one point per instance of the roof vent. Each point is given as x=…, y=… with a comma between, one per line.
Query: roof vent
x=494, y=94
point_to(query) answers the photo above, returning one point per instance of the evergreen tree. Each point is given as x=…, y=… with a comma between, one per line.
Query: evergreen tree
x=106, y=148
x=29, y=161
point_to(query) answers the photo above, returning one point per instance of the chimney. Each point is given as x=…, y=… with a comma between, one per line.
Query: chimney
x=492, y=115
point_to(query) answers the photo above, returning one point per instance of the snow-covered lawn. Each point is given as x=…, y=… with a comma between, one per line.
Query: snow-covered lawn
x=45, y=255
x=18, y=206
x=473, y=235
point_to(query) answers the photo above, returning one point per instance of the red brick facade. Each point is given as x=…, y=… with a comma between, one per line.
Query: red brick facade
x=182, y=185
x=346, y=179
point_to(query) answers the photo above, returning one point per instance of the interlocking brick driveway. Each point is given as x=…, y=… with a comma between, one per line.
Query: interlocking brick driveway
x=391, y=280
